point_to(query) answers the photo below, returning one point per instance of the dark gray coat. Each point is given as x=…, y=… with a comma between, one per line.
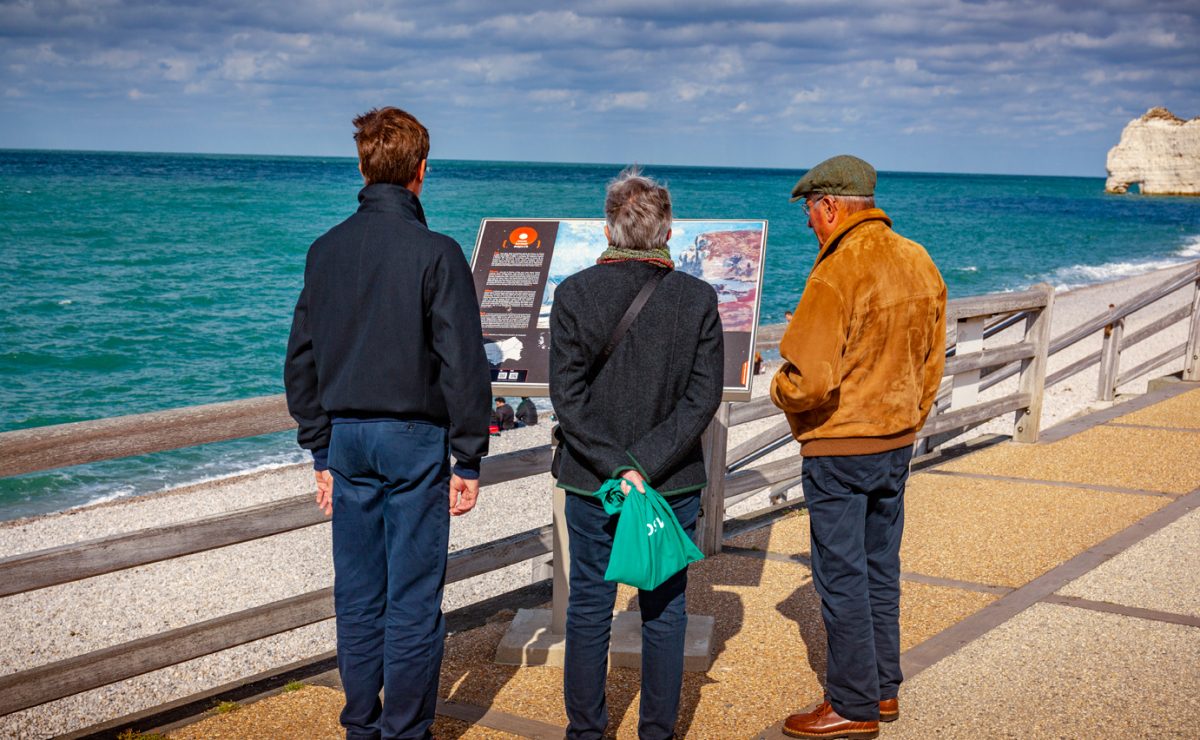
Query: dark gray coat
x=659, y=390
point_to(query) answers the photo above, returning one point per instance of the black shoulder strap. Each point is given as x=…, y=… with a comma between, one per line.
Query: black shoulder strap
x=627, y=321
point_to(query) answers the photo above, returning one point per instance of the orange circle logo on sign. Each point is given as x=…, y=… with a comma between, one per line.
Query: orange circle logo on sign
x=523, y=236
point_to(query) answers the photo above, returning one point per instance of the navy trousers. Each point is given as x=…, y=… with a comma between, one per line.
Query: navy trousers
x=391, y=528
x=589, y=625
x=856, y=515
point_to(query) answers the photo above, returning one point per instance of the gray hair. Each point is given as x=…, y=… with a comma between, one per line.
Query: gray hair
x=853, y=203
x=638, y=211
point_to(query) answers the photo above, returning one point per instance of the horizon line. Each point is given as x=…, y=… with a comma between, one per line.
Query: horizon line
x=518, y=161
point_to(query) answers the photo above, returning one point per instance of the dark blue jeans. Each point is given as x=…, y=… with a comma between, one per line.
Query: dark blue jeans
x=391, y=525
x=589, y=625
x=856, y=515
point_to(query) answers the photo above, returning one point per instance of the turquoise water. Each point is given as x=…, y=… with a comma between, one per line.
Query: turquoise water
x=137, y=282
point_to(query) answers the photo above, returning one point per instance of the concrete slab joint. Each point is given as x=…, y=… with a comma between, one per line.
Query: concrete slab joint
x=529, y=641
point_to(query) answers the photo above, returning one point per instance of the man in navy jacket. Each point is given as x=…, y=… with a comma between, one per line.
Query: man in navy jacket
x=386, y=376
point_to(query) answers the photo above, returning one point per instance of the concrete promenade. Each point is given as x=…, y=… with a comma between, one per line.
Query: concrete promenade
x=1050, y=590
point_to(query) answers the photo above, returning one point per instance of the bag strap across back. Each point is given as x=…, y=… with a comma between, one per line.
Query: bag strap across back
x=627, y=321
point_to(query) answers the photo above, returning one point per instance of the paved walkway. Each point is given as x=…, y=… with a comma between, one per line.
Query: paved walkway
x=1049, y=590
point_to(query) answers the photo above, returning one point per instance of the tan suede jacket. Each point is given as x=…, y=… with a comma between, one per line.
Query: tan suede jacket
x=864, y=353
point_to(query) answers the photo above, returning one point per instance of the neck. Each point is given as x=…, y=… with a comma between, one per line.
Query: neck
x=658, y=255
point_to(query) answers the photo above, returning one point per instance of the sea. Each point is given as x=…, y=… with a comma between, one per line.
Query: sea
x=134, y=282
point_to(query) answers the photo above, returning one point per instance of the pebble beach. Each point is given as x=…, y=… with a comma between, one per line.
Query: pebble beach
x=68, y=620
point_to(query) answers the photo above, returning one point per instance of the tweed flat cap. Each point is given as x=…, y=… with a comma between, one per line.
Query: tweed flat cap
x=840, y=175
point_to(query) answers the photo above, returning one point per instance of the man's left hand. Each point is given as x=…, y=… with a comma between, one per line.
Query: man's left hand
x=463, y=494
x=324, y=491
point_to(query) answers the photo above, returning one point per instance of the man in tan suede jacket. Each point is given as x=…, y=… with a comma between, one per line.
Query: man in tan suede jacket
x=863, y=358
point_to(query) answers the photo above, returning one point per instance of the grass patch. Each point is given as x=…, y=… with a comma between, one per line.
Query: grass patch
x=293, y=686
x=226, y=707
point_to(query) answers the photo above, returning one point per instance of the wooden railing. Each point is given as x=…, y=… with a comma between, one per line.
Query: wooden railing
x=735, y=473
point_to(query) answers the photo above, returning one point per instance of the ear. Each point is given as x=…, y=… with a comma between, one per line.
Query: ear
x=828, y=207
x=421, y=170
x=607, y=235
x=668, y=235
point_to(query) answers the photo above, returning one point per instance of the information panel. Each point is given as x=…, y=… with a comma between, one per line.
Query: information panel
x=518, y=263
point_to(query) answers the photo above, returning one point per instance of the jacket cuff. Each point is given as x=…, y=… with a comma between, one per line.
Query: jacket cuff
x=636, y=465
x=617, y=471
x=466, y=471
x=320, y=459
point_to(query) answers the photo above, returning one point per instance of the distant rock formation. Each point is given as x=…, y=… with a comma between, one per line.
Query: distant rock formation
x=1161, y=152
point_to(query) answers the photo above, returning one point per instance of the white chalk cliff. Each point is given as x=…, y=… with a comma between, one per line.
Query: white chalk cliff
x=1161, y=152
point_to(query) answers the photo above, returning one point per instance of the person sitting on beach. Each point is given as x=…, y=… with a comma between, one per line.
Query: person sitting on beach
x=862, y=361
x=504, y=416
x=639, y=418
x=526, y=412
x=385, y=371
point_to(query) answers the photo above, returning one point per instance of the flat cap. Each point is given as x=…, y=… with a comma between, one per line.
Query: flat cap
x=840, y=175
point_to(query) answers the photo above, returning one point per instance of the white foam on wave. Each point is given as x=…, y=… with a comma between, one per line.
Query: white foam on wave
x=274, y=462
x=122, y=492
x=1078, y=276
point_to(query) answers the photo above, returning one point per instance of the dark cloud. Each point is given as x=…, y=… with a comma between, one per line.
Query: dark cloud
x=994, y=85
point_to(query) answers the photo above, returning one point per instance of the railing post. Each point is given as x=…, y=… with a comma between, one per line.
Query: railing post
x=1110, y=359
x=965, y=386
x=1028, y=421
x=711, y=524
x=1191, y=358
x=561, y=563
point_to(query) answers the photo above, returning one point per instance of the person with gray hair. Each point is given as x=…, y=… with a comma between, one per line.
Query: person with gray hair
x=638, y=416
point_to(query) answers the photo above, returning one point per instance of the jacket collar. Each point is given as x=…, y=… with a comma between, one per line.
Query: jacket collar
x=853, y=221
x=391, y=199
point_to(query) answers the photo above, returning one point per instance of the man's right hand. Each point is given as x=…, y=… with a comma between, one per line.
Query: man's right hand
x=324, y=491
x=463, y=494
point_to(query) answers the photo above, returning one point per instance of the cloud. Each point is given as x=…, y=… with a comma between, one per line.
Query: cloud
x=631, y=100
x=688, y=82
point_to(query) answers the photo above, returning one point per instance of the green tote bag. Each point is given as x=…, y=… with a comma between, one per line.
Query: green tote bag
x=650, y=546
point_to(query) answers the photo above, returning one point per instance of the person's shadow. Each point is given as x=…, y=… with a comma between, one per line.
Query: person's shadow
x=803, y=607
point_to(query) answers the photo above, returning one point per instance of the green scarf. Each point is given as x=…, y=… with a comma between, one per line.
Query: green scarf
x=658, y=255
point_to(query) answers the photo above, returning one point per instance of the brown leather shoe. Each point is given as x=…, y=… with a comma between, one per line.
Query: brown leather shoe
x=823, y=724
x=889, y=710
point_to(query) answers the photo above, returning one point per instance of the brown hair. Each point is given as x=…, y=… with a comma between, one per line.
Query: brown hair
x=391, y=145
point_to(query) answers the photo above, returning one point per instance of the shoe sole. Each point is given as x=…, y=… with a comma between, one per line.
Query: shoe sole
x=889, y=717
x=864, y=734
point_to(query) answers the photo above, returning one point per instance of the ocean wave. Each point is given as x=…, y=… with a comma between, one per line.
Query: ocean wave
x=231, y=470
x=1078, y=276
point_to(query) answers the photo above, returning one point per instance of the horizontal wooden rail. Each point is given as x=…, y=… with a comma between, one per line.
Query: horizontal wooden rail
x=1137, y=303
x=66, y=563
x=73, y=562
x=759, y=408
x=496, y=554
x=1127, y=341
x=61, y=678
x=1158, y=361
x=1097, y=323
x=62, y=445
x=989, y=358
x=994, y=303
x=763, y=439
x=975, y=414
x=751, y=479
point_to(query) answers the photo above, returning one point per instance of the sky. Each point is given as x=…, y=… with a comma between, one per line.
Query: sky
x=989, y=86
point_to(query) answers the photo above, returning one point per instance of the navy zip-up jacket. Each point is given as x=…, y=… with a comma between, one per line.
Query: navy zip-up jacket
x=387, y=326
